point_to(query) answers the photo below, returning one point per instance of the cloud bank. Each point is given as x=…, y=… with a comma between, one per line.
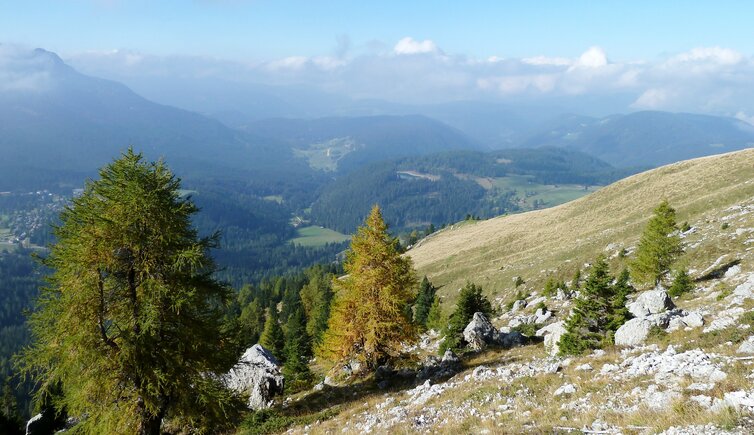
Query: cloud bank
x=714, y=80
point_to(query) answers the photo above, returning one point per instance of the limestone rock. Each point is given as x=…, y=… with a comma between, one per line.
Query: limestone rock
x=552, y=334
x=566, y=389
x=511, y=339
x=479, y=332
x=651, y=302
x=747, y=346
x=257, y=374
x=633, y=332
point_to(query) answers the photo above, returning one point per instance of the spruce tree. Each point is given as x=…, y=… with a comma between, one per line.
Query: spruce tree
x=658, y=248
x=316, y=297
x=129, y=323
x=298, y=351
x=681, y=284
x=470, y=301
x=272, y=337
x=589, y=323
x=424, y=301
x=434, y=316
x=619, y=313
x=368, y=318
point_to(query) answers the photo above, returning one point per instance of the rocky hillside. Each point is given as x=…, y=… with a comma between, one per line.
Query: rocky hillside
x=682, y=366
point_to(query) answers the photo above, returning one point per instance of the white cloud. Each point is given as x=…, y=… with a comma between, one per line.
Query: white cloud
x=717, y=55
x=409, y=45
x=703, y=79
x=594, y=57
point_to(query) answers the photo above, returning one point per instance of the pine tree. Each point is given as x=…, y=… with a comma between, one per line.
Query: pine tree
x=470, y=301
x=316, y=297
x=129, y=324
x=658, y=248
x=250, y=324
x=589, y=324
x=424, y=301
x=619, y=312
x=298, y=351
x=576, y=280
x=272, y=337
x=368, y=318
x=681, y=284
x=434, y=316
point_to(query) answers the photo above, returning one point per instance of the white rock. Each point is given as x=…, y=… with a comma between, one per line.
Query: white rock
x=584, y=368
x=609, y=368
x=633, y=332
x=566, y=389
x=747, y=346
x=479, y=332
x=257, y=374
x=725, y=319
x=552, y=334
x=740, y=400
x=651, y=302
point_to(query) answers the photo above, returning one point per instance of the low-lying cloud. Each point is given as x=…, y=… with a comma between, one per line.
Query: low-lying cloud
x=705, y=79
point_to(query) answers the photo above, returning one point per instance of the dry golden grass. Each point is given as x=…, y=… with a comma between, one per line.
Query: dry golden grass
x=492, y=252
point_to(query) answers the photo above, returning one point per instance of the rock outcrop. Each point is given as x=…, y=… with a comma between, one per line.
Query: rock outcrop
x=552, y=334
x=257, y=374
x=651, y=309
x=651, y=302
x=480, y=333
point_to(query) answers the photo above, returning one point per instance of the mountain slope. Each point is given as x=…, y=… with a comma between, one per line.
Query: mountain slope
x=57, y=120
x=492, y=252
x=361, y=140
x=646, y=138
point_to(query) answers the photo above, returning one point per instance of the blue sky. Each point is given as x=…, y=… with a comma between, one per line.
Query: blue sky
x=263, y=30
x=691, y=56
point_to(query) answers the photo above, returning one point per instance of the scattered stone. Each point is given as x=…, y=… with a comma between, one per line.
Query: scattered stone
x=257, y=374
x=609, y=368
x=566, y=389
x=740, y=400
x=541, y=316
x=584, y=368
x=725, y=319
x=670, y=365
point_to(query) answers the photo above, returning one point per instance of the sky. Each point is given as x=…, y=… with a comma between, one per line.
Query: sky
x=669, y=55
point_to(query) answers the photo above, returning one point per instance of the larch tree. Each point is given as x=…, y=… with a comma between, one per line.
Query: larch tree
x=369, y=320
x=659, y=246
x=128, y=326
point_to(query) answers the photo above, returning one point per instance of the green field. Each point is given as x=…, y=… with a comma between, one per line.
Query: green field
x=546, y=194
x=318, y=236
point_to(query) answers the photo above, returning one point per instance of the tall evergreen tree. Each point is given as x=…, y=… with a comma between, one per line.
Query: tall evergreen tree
x=619, y=313
x=129, y=324
x=434, y=316
x=470, y=301
x=298, y=351
x=594, y=313
x=272, y=337
x=368, y=319
x=316, y=297
x=424, y=301
x=658, y=248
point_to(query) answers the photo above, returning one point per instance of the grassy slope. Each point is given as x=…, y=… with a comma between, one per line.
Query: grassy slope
x=492, y=252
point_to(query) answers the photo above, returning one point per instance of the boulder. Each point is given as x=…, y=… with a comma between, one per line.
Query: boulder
x=541, y=316
x=552, y=334
x=518, y=305
x=451, y=360
x=566, y=390
x=257, y=374
x=479, y=332
x=633, y=332
x=747, y=346
x=651, y=302
x=433, y=368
